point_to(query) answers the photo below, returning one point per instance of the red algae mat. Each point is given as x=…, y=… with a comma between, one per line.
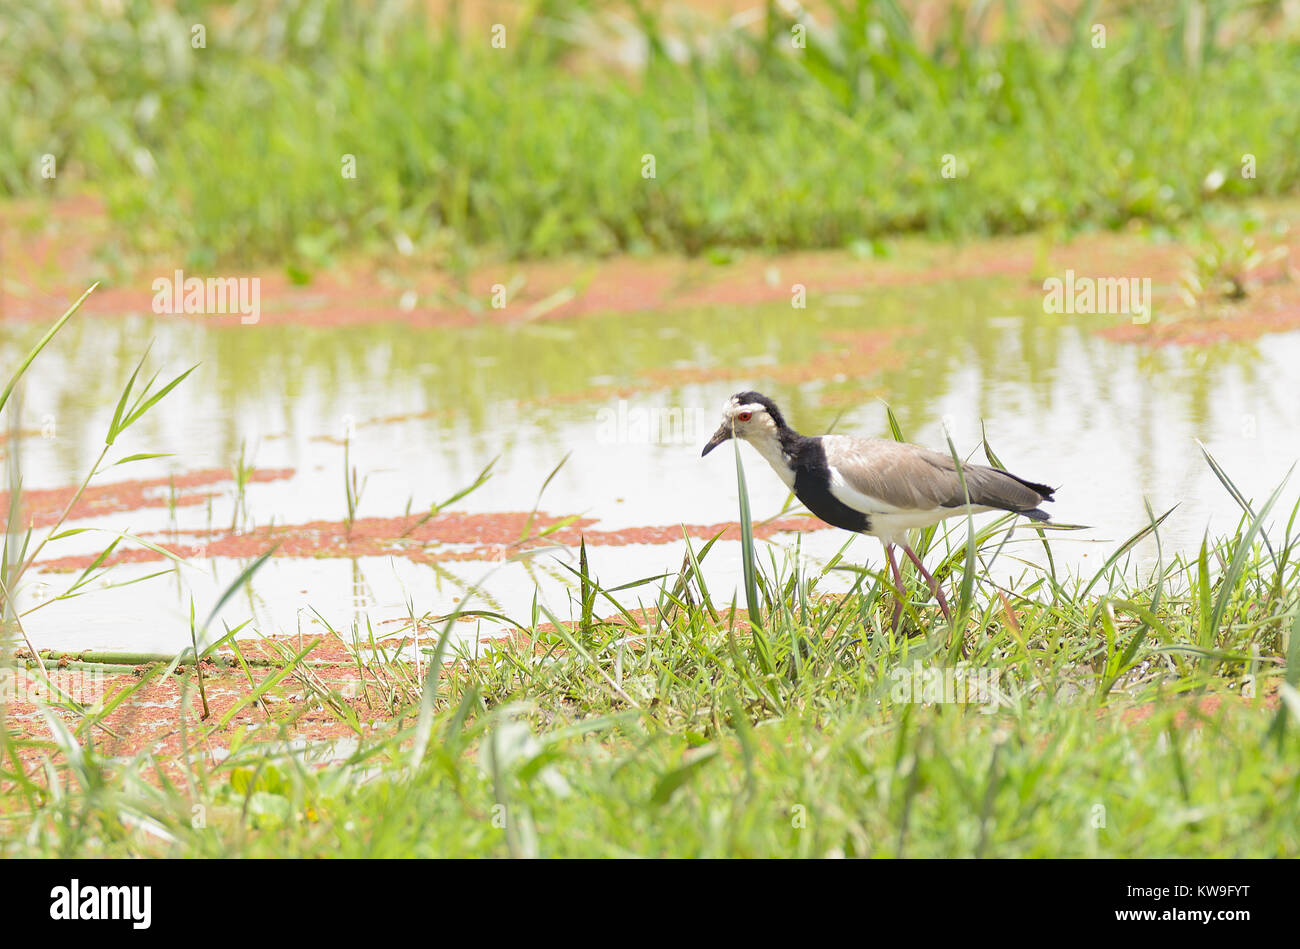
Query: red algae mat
x=1275, y=311
x=165, y=715
x=54, y=266
x=447, y=537
x=550, y=290
x=41, y=508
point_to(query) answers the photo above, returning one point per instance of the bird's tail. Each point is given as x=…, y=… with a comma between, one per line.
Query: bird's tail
x=995, y=488
x=1043, y=490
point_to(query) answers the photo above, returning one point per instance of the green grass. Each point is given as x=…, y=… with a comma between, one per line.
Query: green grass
x=704, y=741
x=818, y=733
x=235, y=151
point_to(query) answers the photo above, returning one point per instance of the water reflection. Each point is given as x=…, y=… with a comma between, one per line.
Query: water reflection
x=1111, y=424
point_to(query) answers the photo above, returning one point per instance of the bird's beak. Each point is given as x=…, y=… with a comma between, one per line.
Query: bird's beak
x=720, y=436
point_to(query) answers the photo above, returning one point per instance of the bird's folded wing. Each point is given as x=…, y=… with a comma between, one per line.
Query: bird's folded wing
x=889, y=476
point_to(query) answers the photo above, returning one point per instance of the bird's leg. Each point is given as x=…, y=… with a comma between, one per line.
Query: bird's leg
x=898, y=583
x=929, y=578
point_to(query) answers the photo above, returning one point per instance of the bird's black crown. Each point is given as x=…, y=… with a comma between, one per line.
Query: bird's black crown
x=749, y=398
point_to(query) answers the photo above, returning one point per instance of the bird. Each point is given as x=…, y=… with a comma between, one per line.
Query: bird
x=875, y=486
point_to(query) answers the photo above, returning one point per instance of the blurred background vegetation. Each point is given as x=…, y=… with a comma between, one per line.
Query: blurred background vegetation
x=234, y=151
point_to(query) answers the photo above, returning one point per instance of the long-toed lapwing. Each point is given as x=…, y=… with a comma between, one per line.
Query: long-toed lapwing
x=874, y=486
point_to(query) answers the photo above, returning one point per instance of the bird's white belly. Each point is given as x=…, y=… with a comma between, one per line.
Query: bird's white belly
x=892, y=527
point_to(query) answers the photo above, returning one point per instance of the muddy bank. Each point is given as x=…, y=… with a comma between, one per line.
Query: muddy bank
x=55, y=264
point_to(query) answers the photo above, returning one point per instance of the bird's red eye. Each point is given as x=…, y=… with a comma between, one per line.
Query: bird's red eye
x=744, y=416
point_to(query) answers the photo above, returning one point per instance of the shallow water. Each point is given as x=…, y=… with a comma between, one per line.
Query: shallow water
x=1111, y=423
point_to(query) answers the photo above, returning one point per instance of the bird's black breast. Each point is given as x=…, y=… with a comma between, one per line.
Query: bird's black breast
x=812, y=486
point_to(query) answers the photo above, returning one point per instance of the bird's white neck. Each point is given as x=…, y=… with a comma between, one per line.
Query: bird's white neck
x=769, y=446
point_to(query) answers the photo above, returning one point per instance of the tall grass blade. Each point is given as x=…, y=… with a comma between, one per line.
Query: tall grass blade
x=1237, y=496
x=747, y=544
x=1228, y=583
x=41, y=344
x=1125, y=547
x=966, y=595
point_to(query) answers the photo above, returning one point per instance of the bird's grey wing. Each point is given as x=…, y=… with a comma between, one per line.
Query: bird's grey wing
x=878, y=475
x=886, y=475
